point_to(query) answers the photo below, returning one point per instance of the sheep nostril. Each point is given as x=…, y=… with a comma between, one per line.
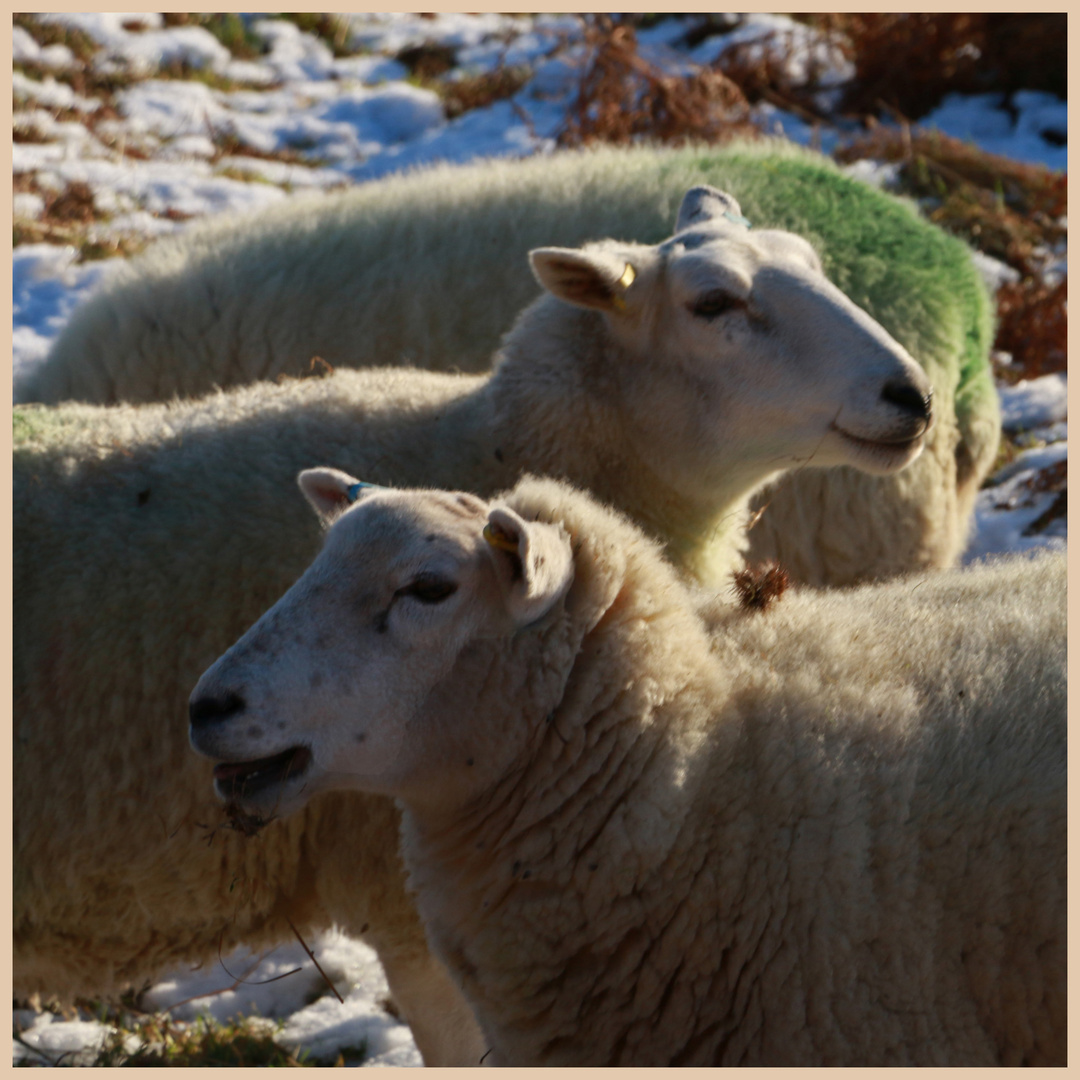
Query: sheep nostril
x=907, y=397
x=212, y=710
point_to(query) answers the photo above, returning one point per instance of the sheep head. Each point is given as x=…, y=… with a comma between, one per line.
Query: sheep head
x=359, y=676
x=737, y=358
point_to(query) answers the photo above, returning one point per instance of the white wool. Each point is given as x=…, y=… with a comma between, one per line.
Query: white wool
x=829, y=833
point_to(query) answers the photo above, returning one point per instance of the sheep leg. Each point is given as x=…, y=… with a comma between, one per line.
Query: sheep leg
x=442, y=1023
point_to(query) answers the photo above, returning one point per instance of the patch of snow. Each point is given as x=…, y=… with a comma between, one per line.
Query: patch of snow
x=774, y=121
x=1034, y=402
x=186, y=147
x=47, y=285
x=994, y=272
x=806, y=54
x=525, y=50
x=389, y=114
x=171, y=108
x=666, y=32
x=391, y=32
x=107, y=28
x=25, y=50
x=28, y=205
x=147, y=52
x=317, y=1023
x=495, y=131
x=293, y=54
x=70, y=1042
x=1051, y=433
x=250, y=73
x=1004, y=512
x=882, y=174
x=50, y=94
x=983, y=119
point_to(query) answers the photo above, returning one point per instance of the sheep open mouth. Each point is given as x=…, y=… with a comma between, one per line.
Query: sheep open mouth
x=237, y=779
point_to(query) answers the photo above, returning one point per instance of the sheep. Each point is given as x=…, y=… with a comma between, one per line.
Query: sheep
x=429, y=269
x=129, y=580
x=832, y=834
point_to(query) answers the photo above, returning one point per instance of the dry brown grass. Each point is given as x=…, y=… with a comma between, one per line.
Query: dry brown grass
x=428, y=60
x=1033, y=327
x=909, y=62
x=621, y=97
x=479, y=91
x=1005, y=208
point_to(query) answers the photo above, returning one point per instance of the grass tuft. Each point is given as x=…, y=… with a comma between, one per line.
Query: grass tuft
x=229, y=28
x=622, y=98
x=479, y=91
x=247, y=1042
x=332, y=28
x=1008, y=209
x=49, y=33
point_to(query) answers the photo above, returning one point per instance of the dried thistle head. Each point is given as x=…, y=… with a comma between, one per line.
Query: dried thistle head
x=758, y=586
x=236, y=819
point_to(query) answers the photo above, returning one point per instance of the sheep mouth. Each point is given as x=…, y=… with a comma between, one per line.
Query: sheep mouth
x=241, y=780
x=889, y=453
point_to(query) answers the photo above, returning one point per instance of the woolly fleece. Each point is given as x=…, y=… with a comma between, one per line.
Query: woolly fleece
x=829, y=834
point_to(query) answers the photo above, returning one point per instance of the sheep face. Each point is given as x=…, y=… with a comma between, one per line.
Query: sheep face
x=350, y=680
x=739, y=353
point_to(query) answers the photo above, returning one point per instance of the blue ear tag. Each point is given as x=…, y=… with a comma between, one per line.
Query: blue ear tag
x=737, y=218
x=352, y=492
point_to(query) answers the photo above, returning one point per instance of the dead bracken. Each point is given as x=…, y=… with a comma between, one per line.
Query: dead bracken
x=758, y=586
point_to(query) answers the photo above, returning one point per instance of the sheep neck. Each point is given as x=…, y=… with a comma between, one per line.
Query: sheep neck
x=557, y=408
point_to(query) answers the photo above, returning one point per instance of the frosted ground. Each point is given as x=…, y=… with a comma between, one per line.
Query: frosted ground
x=349, y=119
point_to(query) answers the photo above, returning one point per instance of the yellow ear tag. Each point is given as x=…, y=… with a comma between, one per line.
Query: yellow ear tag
x=623, y=283
x=499, y=539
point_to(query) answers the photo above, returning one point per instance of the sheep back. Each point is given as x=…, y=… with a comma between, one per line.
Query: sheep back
x=430, y=268
x=145, y=540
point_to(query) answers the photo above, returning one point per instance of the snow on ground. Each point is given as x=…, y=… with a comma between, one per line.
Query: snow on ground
x=341, y=120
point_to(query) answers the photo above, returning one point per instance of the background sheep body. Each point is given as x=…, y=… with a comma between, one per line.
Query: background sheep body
x=429, y=269
x=833, y=834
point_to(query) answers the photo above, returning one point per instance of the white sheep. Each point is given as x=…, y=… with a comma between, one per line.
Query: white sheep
x=429, y=269
x=673, y=396
x=832, y=834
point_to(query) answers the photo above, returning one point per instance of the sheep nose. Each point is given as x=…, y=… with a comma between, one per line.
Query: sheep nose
x=203, y=711
x=905, y=396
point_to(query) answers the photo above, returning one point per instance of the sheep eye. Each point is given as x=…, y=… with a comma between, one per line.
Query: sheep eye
x=715, y=303
x=429, y=589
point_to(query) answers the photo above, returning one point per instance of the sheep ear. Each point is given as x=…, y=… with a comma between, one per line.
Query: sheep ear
x=589, y=279
x=705, y=203
x=329, y=490
x=533, y=562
